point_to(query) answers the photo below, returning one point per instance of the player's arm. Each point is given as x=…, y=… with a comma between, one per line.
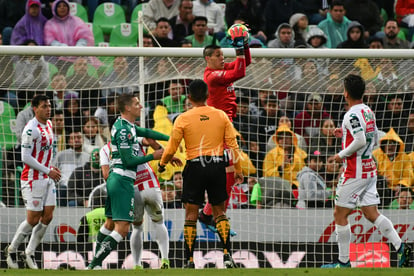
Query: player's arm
x=231, y=142
x=353, y=125
x=152, y=134
x=29, y=137
x=104, y=159
x=174, y=142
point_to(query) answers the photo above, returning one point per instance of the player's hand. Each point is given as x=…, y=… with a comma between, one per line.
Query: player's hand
x=55, y=174
x=338, y=132
x=158, y=154
x=161, y=168
x=238, y=178
x=239, y=33
x=175, y=161
x=337, y=158
x=238, y=42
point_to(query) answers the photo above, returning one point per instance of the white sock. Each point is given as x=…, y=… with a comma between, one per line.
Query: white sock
x=387, y=230
x=104, y=230
x=22, y=231
x=116, y=236
x=161, y=235
x=136, y=244
x=343, y=237
x=37, y=235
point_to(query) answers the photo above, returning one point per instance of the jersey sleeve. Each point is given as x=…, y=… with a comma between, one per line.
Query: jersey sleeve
x=353, y=126
x=29, y=138
x=232, y=72
x=104, y=155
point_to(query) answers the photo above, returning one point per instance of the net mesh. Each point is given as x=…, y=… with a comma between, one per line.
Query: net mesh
x=271, y=232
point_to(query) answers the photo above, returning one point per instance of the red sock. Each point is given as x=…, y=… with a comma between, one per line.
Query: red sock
x=207, y=209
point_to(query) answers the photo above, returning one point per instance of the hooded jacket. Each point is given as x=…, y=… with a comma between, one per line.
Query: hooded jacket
x=274, y=159
x=397, y=171
x=276, y=43
x=315, y=31
x=336, y=32
x=349, y=43
x=29, y=27
x=312, y=187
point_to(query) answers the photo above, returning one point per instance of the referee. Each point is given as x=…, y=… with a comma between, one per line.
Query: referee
x=205, y=130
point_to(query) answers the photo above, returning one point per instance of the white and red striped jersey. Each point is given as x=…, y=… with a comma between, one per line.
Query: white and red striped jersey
x=359, y=122
x=105, y=155
x=37, y=139
x=145, y=177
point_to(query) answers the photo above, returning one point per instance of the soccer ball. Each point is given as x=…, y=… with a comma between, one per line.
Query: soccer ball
x=238, y=30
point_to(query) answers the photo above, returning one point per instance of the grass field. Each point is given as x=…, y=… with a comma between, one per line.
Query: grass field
x=220, y=272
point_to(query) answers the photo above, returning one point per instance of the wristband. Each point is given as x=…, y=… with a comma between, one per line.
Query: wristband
x=239, y=51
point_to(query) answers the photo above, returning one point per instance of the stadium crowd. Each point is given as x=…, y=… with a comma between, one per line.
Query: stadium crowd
x=286, y=135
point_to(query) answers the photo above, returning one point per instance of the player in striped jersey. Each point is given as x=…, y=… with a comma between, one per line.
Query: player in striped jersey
x=38, y=191
x=357, y=185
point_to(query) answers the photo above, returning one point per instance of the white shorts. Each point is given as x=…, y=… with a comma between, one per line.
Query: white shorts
x=352, y=192
x=39, y=194
x=151, y=201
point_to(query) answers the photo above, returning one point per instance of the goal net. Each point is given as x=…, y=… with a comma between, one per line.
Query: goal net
x=296, y=93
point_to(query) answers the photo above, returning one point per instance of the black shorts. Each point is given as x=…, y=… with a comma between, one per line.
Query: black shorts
x=201, y=176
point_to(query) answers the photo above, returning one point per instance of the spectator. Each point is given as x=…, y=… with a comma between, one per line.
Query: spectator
x=10, y=13
x=83, y=180
x=161, y=32
x=214, y=15
x=245, y=124
x=199, y=38
x=316, y=38
x=178, y=183
x=285, y=37
x=175, y=101
x=147, y=40
x=186, y=43
x=332, y=171
x=367, y=13
x=395, y=114
x=315, y=10
x=313, y=192
x=325, y=140
x=181, y=24
x=372, y=98
x=58, y=123
x=59, y=86
x=169, y=197
x=30, y=26
x=284, y=120
x=107, y=114
x=392, y=162
x=387, y=75
x=67, y=161
x=376, y=43
x=391, y=40
x=287, y=159
x=404, y=200
x=355, y=37
x=335, y=25
x=278, y=12
x=308, y=122
x=72, y=114
x=92, y=139
x=159, y=8
x=248, y=11
x=408, y=136
x=299, y=23
x=123, y=75
x=404, y=10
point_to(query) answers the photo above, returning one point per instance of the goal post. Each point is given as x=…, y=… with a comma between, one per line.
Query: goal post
x=273, y=228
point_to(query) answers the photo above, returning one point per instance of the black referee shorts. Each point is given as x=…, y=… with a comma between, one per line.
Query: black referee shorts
x=204, y=174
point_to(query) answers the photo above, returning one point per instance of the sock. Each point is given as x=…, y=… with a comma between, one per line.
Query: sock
x=161, y=236
x=190, y=234
x=107, y=245
x=136, y=244
x=22, y=231
x=37, y=235
x=387, y=230
x=343, y=237
x=102, y=234
x=223, y=229
x=230, y=181
x=207, y=210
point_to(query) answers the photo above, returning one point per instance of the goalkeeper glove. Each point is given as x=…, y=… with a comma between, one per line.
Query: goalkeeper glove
x=161, y=168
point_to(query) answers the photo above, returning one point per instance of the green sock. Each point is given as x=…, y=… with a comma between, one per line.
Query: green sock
x=107, y=245
x=99, y=239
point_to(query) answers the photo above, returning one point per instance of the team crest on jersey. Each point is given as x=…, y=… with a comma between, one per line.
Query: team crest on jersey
x=129, y=136
x=230, y=89
x=36, y=203
x=354, y=122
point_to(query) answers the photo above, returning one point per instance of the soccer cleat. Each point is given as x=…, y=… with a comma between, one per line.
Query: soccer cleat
x=11, y=258
x=338, y=264
x=206, y=219
x=228, y=261
x=165, y=264
x=138, y=267
x=30, y=261
x=96, y=267
x=403, y=255
x=190, y=265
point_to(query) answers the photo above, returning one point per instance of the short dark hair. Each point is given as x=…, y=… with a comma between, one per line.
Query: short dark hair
x=209, y=50
x=124, y=100
x=391, y=20
x=200, y=18
x=39, y=98
x=355, y=86
x=337, y=3
x=376, y=39
x=198, y=90
x=162, y=19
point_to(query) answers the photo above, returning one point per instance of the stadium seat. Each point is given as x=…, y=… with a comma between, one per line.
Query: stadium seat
x=124, y=35
x=7, y=126
x=134, y=15
x=108, y=15
x=97, y=33
x=78, y=10
x=91, y=71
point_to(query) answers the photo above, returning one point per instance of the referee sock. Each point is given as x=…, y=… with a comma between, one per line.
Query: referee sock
x=161, y=236
x=102, y=234
x=223, y=229
x=136, y=244
x=343, y=237
x=387, y=230
x=37, y=235
x=107, y=245
x=22, y=231
x=190, y=234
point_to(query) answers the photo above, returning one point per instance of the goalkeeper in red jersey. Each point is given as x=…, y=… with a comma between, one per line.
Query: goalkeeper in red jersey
x=219, y=77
